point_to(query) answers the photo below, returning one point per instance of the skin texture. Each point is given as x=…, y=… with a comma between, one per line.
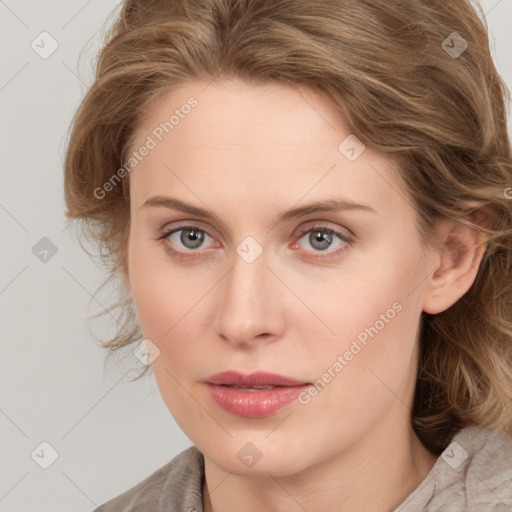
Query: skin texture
x=248, y=153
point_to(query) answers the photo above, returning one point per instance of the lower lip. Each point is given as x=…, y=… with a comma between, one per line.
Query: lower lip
x=254, y=404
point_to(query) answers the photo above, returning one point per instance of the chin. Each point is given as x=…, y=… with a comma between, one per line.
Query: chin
x=258, y=457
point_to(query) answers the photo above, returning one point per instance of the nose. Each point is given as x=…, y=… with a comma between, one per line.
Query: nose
x=250, y=306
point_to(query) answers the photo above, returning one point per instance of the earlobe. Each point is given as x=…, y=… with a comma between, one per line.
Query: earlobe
x=456, y=264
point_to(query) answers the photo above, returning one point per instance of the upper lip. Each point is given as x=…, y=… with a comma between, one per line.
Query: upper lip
x=253, y=379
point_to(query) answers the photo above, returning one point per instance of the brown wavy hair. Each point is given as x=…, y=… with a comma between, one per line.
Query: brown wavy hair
x=386, y=67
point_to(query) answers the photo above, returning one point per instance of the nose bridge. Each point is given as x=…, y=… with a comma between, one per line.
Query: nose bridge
x=248, y=306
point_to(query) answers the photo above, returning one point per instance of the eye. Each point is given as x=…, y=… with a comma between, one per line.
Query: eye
x=321, y=238
x=190, y=238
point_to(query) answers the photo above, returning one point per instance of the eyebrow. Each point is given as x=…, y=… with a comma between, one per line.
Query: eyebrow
x=328, y=205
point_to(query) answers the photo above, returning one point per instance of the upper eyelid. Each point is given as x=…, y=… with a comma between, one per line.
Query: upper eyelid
x=195, y=224
x=310, y=224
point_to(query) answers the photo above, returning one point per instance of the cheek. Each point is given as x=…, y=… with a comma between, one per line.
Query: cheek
x=371, y=295
x=160, y=293
x=168, y=301
x=154, y=304
x=375, y=315
x=165, y=304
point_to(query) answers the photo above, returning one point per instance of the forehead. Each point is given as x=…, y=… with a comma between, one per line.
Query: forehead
x=235, y=114
x=269, y=142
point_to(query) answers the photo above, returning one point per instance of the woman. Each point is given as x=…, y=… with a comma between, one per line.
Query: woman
x=307, y=205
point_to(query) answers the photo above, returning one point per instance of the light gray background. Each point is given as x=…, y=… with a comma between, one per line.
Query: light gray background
x=109, y=433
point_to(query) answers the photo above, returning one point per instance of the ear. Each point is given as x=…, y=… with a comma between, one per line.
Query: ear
x=456, y=260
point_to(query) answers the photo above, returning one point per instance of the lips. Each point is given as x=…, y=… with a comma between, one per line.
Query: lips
x=255, y=395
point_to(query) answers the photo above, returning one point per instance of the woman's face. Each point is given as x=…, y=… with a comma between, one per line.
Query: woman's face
x=261, y=285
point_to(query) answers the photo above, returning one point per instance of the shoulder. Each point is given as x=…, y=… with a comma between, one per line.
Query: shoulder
x=473, y=473
x=485, y=468
x=175, y=486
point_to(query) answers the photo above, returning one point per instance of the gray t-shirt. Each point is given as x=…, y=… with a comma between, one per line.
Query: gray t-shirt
x=473, y=474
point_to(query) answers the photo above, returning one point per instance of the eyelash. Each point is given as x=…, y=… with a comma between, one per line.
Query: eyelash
x=190, y=255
